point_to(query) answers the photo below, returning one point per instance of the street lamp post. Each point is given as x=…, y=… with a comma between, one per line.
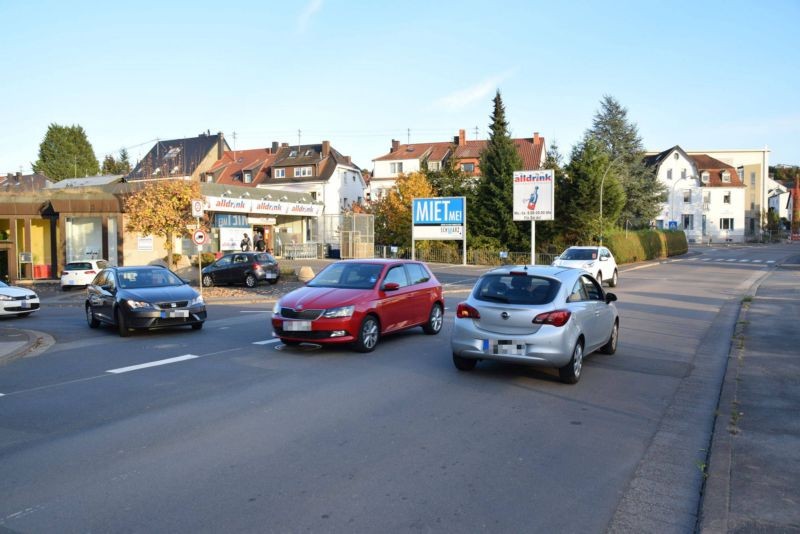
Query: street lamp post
x=602, y=183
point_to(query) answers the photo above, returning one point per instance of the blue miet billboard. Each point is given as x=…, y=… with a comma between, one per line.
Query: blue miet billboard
x=438, y=211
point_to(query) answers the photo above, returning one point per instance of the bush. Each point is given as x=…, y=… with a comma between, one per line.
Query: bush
x=646, y=245
x=175, y=259
x=206, y=258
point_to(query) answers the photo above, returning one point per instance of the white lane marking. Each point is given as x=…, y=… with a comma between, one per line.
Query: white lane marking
x=731, y=259
x=2, y=394
x=770, y=261
x=706, y=259
x=757, y=261
x=253, y=311
x=266, y=341
x=742, y=261
x=153, y=364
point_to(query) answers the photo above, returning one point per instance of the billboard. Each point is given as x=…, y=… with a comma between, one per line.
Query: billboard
x=438, y=218
x=533, y=195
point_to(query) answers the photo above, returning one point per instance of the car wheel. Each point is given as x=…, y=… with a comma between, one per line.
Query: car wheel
x=91, y=320
x=614, y=279
x=289, y=342
x=435, y=320
x=571, y=373
x=368, y=334
x=250, y=281
x=207, y=280
x=599, y=277
x=197, y=326
x=122, y=326
x=611, y=346
x=464, y=364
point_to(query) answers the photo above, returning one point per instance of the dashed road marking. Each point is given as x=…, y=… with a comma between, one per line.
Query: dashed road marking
x=267, y=341
x=152, y=364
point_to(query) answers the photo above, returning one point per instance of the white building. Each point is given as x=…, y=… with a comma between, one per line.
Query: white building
x=705, y=197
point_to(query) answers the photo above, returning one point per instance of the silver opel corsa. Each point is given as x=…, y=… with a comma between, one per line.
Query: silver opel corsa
x=532, y=315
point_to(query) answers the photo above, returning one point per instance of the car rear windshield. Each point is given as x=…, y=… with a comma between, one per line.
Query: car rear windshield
x=78, y=266
x=348, y=276
x=579, y=254
x=138, y=278
x=265, y=257
x=516, y=289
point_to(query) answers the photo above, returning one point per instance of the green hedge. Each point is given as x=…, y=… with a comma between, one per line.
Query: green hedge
x=646, y=245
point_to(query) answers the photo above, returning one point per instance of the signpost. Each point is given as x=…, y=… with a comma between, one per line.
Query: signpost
x=534, y=200
x=441, y=218
x=200, y=238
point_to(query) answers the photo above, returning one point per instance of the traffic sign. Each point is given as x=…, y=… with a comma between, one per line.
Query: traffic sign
x=197, y=208
x=199, y=237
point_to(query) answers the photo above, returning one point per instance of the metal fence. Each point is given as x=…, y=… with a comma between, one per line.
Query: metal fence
x=474, y=256
x=347, y=236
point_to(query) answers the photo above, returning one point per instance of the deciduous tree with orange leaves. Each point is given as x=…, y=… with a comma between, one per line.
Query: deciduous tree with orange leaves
x=393, y=212
x=162, y=209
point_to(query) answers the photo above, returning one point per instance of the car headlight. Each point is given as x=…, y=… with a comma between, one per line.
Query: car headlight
x=137, y=305
x=5, y=297
x=344, y=311
x=276, y=309
x=197, y=300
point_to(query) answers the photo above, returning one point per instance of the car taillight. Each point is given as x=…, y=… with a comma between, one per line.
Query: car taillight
x=256, y=266
x=553, y=318
x=465, y=311
x=89, y=272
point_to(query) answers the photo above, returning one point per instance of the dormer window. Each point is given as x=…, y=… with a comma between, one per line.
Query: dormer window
x=247, y=177
x=704, y=177
x=308, y=152
x=726, y=177
x=300, y=172
x=293, y=154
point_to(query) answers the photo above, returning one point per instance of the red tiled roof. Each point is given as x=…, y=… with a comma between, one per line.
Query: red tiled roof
x=530, y=149
x=714, y=167
x=228, y=169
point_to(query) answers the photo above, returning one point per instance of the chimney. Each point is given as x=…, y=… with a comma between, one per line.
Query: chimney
x=220, y=145
x=535, y=138
x=347, y=160
x=462, y=138
x=19, y=176
x=326, y=149
x=284, y=145
x=274, y=149
x=395, y=145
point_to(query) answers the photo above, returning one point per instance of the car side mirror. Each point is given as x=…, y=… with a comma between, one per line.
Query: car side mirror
x=610, y=297
x=391, y=286
x=106, y=287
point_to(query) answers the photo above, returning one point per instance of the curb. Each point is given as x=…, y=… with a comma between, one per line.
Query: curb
x=36, y=343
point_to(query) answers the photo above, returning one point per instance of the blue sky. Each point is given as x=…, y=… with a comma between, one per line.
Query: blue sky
x=704, y=75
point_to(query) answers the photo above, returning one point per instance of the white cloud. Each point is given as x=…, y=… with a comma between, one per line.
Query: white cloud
x=460, y=99
x=312, y=8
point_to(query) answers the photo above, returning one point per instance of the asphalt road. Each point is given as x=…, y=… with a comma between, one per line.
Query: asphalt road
x=241, y=434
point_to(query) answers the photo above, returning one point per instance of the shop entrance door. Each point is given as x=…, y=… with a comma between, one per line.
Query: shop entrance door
x=4, y=265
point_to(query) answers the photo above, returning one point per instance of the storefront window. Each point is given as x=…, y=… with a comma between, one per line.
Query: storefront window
x=84, y=238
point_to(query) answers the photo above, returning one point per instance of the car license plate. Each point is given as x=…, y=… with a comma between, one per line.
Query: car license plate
x=297, y=326
x=174, y=314
x=70, y=282
x=270, y=275
x=25, y=304
x=509, y=348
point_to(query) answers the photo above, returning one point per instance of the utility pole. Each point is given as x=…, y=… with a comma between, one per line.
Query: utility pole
x=408, y=136
x=476, y=133
x=299, y=133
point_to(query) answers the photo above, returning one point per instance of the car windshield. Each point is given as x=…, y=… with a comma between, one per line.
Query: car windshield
x=579, y=254
x=138, y=278
x=348, y=276
x=3, y=284
x=78, y=266
x=516, y=289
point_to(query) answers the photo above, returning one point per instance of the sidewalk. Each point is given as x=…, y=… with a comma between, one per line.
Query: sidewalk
x=753, y=482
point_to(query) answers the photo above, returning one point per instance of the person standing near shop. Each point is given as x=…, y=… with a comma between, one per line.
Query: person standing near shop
x=246, y=243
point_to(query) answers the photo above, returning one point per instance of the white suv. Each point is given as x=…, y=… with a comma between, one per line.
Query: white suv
x=81, y=273
x=597, y=260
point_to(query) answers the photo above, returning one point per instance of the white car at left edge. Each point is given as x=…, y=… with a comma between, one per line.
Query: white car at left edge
x=17, y=300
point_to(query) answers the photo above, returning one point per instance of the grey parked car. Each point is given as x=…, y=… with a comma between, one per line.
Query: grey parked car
x=541, y=316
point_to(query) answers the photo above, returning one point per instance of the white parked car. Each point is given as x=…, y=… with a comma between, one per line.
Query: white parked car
x=81, y=273
x=17, y=300
x=597, y=260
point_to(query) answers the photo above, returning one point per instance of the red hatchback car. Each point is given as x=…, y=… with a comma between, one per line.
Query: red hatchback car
x=357, y=301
